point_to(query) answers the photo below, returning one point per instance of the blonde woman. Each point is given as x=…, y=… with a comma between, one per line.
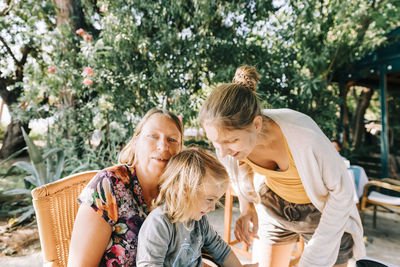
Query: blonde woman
x=116, y=201
x=290, y=179
x=176, y=230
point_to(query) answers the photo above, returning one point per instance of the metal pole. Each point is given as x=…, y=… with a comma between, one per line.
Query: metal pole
x=340, y=126
x=384, y=121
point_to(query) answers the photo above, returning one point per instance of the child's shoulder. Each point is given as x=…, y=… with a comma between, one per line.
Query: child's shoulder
x=157, y=214
x=156, y=223
x=157, y=211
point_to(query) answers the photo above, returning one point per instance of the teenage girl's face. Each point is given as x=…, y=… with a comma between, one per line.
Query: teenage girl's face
x=158, y=141
x=236, y=143
x=209, y=195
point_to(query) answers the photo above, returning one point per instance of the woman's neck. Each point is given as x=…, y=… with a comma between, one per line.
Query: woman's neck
x=270, y=143
x=269, y=136
x=149, y=185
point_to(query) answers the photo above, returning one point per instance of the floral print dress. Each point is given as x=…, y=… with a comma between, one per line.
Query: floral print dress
x=116, y=195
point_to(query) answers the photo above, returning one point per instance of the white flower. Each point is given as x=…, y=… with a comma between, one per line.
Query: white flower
x=87, y=195
x=109, y=244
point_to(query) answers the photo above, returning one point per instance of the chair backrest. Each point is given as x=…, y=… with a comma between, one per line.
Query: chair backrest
x=375, y=198
x=56, y=207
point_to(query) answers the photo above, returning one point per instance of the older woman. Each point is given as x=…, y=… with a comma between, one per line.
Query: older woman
x=116, y=201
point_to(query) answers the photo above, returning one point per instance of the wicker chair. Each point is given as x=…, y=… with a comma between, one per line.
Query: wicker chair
x=56, y=207
x=372, y=197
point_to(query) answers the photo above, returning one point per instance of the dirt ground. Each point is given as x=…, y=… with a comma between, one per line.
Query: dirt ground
x=19, y=242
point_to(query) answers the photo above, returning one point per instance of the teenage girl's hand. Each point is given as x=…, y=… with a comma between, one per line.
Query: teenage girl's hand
x=242, y=229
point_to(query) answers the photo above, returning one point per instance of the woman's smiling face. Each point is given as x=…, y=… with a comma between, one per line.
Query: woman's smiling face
x=158, y=141
x=236, y=143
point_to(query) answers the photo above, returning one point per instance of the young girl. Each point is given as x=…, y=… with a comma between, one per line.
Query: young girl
x=176, y=230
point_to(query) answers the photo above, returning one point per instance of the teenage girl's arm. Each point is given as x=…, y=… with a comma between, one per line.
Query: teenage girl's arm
x=90, y=237
x=233, y=261
x=248, y=215
x=243, y=174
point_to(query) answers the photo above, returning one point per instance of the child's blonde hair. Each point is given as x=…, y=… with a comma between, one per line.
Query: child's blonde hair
x=183, y=180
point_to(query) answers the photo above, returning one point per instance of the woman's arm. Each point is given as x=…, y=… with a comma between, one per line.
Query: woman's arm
x=90, y=237
x=329, y=183
x=242, y=176
x=248, y=215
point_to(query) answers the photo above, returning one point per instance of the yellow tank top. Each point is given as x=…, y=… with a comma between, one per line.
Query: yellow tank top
x=286, y=184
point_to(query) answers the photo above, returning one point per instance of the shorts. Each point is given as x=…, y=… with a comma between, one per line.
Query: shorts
x=282, y=222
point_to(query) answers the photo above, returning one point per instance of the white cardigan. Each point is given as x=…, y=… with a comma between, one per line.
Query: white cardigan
x=326, y=182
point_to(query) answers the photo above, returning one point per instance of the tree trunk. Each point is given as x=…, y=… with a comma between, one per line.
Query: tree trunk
x=13, y=139
x=70, y=11
x=362, y=105
x=346, y=120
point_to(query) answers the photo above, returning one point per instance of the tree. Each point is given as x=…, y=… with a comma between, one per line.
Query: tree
x=19, y=41
x=317, y=38
x=26, y=26
x=164, y=54
x=147, y=54
x=170, y=54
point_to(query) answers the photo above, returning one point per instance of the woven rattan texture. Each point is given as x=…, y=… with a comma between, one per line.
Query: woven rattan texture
x=56, y=207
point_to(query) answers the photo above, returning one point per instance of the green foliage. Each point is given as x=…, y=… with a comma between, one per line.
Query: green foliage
x=44, y=168
x=26, y=22
x=199, y=143
x=170, y=54
x=310, y=41
x=163, y=53
x=12, y=156
x=147, y=54
x=95, y=158
x=2, y=130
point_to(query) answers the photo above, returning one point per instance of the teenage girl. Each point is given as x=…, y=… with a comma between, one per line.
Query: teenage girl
x=290, y=179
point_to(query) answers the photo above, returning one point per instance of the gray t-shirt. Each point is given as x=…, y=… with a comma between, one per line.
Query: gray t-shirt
x=162, y=243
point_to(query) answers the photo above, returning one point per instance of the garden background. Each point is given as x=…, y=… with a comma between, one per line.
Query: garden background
x=88, y=70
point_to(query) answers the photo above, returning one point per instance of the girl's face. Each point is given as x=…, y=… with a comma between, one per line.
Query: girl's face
x=236, y=143
x=209, y=195
x=158, y=141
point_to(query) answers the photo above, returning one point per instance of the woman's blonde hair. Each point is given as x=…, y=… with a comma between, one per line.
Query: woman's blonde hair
x=127, y=154
x=183, y=180
x=233, y=105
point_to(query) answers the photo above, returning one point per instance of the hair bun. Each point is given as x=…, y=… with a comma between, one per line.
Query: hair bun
x=247, y=76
